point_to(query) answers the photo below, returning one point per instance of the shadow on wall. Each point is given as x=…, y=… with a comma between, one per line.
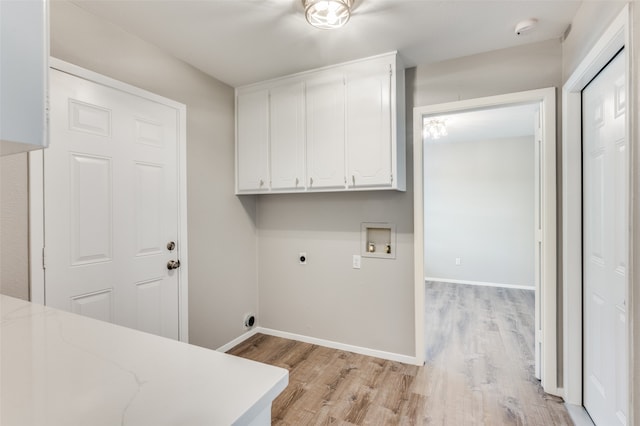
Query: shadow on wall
x=336, y=211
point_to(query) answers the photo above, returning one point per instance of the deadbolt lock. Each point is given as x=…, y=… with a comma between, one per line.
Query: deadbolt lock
x=171, y=246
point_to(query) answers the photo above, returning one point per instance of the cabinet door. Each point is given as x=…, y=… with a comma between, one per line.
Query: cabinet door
x=287, y=137
x=325, y=133
x=252, y=141
x=369, y=136
x=24, y=55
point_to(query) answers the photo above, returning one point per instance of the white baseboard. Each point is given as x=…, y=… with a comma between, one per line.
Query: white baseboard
x=406, y=359
x=320, y=342
x=481, y=283
x=235, y=342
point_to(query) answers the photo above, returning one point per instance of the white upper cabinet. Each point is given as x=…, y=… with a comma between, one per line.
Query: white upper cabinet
x=368, y=125
x=252, y=141
x=325, y=132
x=287, y=136
x=339, y=128
x=24, y=56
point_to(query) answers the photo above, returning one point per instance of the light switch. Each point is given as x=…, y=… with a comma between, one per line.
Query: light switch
x=356, y=261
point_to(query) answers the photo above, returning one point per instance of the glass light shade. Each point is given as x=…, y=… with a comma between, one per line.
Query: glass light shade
x=327, y=14
x=434, y=129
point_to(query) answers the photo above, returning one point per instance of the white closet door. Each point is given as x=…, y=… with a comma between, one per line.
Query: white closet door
x=111, y=206
x=605, y=251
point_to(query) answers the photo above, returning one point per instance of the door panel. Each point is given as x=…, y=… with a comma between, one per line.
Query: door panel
x=253, y=140
x=91, y=209
x=287, y=137
x=95, y=305
x=369, y=126
x=148, y=190
x=111, y=206
x=605, y=245
x=325, y=133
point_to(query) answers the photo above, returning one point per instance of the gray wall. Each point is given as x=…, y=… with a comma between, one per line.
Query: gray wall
x=372, y=307
x=527, y=67
x=516, y=69
x=222, y=235
x=591, y=20
x=14, y=226
x=479, y=207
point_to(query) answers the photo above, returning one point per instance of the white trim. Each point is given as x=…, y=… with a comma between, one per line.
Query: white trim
x=614, y=39
x=183, y=250
x=235, y=342
x=546, y=97
x=481, y=283
x=406, y=359
x=94, y=77
x=36, y=226
x=36, y=190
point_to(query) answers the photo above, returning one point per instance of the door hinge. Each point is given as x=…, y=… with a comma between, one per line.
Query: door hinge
x=538, y=336
x=44, y=258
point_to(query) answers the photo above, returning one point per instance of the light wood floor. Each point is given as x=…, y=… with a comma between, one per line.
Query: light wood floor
x=479, y=370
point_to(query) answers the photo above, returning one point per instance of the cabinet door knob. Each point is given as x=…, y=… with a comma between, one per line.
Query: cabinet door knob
x=353, y=179
x=297, y=181
x=261, y=182
x=310, y=181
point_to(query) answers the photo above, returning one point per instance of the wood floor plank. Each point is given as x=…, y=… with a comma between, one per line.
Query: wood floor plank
x=479, y=370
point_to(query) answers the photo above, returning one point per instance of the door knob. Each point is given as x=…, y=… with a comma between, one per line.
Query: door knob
x=173, y=264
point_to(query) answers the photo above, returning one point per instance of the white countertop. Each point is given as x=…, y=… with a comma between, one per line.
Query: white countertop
x=58, y=368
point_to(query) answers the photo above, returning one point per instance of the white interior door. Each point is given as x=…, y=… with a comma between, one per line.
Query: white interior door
x=605, y=245
x=111, y=206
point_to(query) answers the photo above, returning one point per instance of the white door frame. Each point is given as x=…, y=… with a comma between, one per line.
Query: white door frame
x=615, y=38
x=547, y=99
x=36, y=194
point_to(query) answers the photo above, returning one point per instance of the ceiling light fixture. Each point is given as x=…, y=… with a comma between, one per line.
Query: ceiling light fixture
x=434, y=129
x=327, y=14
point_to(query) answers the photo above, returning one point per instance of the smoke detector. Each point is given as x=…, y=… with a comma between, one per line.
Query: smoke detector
x=526, y=26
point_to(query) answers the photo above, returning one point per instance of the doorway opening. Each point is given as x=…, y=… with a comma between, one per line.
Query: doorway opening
x=539, y=107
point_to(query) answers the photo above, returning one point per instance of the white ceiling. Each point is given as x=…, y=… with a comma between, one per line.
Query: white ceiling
x=511, y=121
x=244, y=41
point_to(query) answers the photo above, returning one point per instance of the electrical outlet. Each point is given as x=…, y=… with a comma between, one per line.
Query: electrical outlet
x=458, y=261
x=356, y=261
